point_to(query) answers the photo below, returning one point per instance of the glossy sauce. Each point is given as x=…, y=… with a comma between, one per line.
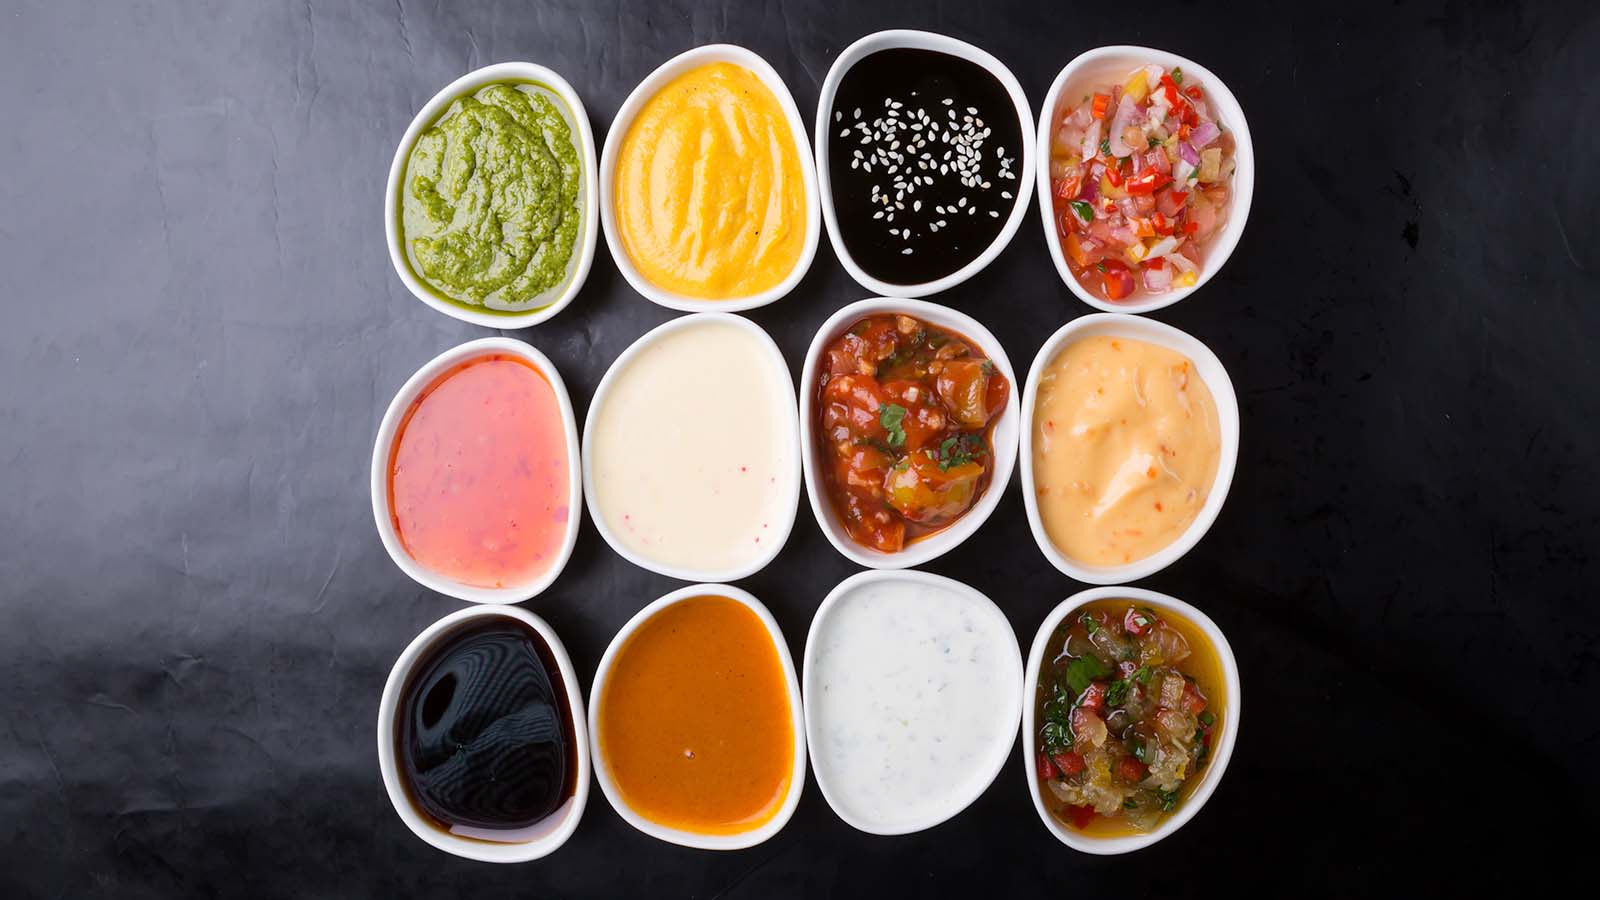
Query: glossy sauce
x=690, y=449
x=479, y=477
x=695, y=724
x=484, y=734
x=908, y=689
x=1126, y=443
x=710, y=199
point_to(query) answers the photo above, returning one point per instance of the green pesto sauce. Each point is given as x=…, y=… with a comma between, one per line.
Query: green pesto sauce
x=489, y=206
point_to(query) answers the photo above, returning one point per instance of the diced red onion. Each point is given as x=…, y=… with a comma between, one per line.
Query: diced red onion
x=1127, y=112
x=1188, y=153
x=1203, y=134
x=1182, y=263
x=1138, y=162
x=1091, y=140
x=1162, y=247
x=1157, y=280
x=1091, y=190
x=1124, y=235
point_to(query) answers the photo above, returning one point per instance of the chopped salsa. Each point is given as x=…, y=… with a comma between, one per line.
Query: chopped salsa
x=1127, y=713
x=1139, y=182
x=906, y=411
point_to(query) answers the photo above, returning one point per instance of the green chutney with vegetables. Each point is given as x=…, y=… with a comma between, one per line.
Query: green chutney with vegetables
x=489, y=206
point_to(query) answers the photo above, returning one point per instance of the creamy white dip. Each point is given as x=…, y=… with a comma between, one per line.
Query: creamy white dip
x=693, y=451
x=912, y=698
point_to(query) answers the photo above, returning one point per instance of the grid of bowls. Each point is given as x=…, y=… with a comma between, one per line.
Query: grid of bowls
x=1010, y=432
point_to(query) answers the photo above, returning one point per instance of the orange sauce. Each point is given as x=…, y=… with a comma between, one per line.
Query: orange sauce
x=478, y=477
x=695, y=724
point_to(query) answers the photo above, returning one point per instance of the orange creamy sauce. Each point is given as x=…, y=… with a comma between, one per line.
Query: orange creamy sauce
x=695, y=724
x=478, y=477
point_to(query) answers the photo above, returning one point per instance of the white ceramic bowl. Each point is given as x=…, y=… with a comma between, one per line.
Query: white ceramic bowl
x=1210, y=370
x=1220, y=753
x=382, y=447
x=1004, y=434
x=920, y=40
x=583, y=247
x=797, y=779
x=982, y=775
x=1104, y=65
x=647, y=90
x=546, y=836
x=784, y=525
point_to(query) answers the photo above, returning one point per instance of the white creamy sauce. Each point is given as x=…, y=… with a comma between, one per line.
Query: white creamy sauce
x=691, y=451
x=913, y=689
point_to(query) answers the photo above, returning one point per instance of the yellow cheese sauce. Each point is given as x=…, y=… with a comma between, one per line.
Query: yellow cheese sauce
x=1125, y=449
x=710, y=199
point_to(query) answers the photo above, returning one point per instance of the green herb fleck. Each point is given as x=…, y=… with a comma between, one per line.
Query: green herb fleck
x=1089, y=624
x=1129, y=804
x=1117, y=694
x=1177, y=76
x=1207, y=719
x=1083, y=671
x=1141, y=752
x=891, y=416
x=1056, y=733
x=958, y=450
x=1105, y=146
x=987, y=366
x=1084, y=210
x=1169, y=799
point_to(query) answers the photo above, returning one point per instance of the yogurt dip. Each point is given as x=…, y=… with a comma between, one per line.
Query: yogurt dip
x=912, y=698
x=692, y=450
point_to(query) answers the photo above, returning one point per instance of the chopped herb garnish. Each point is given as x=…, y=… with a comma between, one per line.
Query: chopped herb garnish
x=1084, y=210
x=891, y=416
x=1129, y=804
x=1089, y=623
x=1177, y=76
x=987, y=366
x=1056, y=733
x=1117, y=694
x=1207, y=719
x=1105, y=146
x=1141, y=752
x=1100, y=266
x=958, y=451
x=1169, y=799
x=1083, y=671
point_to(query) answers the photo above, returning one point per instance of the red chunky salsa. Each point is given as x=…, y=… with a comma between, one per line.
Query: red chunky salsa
x=1139, y=182
x=905, y=415
x=1127, y=712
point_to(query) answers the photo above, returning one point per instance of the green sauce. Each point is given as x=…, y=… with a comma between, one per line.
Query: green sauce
x=489, y=206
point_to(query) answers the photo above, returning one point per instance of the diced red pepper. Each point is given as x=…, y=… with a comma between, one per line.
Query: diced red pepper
x=1191, y=227
x=1193, y=90
x=1116, y=279
x=1068, y=763
x=1094, y=697
x=1068, y=188
x=1101, y=103
x=1130, y=769
x=1081, y=816
x=1194, y=702
x=1171, y=88
x=1047, y=769
x=1160, y=224
x=1114, y=175
x=1148, y=182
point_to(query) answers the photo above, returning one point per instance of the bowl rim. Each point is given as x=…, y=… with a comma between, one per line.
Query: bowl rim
x=602, y=769
x=1004, y=444
x=1228, y=113
x=1107, y=846
x=583, y=248
x=1210, y=370
x=999, y=752
x=780, y=535
x=911, y=38
x=645, y=91
x=483, y=851
x=383, y=445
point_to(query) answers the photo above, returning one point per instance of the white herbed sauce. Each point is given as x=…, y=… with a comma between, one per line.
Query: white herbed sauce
x=913, y=692
x=692, y=449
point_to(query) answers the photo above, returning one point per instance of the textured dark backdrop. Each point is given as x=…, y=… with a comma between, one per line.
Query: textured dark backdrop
x=202, y=330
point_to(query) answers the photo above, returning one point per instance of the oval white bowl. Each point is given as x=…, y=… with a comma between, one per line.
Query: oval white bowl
x=384, y=444
x=1004, y=436
x=921, y=40
x=1106, y=846
x=1108, y=64
x=583, y=247
x=483, y=851
x=1210, y=370
x=1001, y=747
x=647, y=89
x=797, y=780
x=780, y=535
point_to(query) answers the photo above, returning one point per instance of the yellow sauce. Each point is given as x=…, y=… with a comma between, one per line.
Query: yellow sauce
x=710, y=200
x=1125, y=449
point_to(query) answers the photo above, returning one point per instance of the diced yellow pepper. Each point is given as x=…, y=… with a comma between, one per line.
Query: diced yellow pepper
x=1135, y=252
x=1187, y=279
x=1136, y=87
x=1107, y=189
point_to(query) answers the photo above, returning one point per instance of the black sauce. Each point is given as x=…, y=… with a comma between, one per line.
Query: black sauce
x=484, y=732
x=921, y=80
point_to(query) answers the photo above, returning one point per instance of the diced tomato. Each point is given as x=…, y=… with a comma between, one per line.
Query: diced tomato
x=1069, y=187
x=1148, y=182
x=1136, y=622
x=1116, y=279
x=1194, y=91
x=1047, y=769
x=1130, y=769
x=1194, y=702
x=1160, y=224
x=1094, y=697
x=1143, y=228
x=1183, y=132
x=1068, y=763
x=1171, y=88
x=1101, y=103
x=1075, y=251
x=1191, y=227
x=1114, y=175
x=1081, y=816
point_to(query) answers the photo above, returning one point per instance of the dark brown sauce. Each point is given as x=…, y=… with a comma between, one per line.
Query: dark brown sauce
x=484, y=734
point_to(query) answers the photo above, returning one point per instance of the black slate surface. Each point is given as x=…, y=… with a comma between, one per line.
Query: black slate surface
x=202, y=330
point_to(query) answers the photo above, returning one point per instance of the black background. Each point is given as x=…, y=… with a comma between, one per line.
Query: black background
x=201, y=331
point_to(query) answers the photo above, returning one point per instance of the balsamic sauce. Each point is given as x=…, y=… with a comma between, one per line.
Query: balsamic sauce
x=484, y=733
x=925, y=138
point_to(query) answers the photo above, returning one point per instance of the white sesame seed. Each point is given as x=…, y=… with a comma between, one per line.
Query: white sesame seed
x=993, y=214
x=858, y=112
x=906, y=252
x=963, y=202
x=1006, y=194
x=916, y=206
